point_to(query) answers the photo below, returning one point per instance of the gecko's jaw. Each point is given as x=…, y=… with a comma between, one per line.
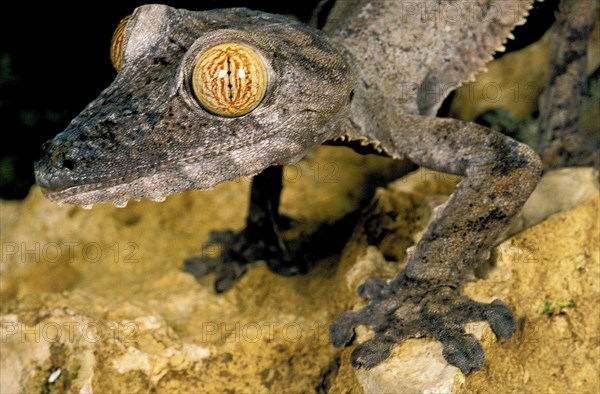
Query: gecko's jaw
x=53, y=188
x=65, y=180
x=156, y=182
x=49, y=192
x=64, y=189
x=117, y=191
x=51, y=183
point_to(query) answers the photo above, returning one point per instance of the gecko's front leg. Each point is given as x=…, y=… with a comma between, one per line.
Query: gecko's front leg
x=260, y=240
x=425, y=299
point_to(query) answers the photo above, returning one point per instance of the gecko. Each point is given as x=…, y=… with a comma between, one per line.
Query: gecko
x=202, y=97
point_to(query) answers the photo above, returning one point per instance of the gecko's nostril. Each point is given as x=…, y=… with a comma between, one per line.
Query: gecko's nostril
x=60, y=161
x=69, y=164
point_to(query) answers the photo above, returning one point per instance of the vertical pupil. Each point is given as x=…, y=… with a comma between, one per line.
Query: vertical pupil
x=230, y=86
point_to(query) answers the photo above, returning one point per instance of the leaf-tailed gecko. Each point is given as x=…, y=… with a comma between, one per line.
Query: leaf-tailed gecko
x=204, y=97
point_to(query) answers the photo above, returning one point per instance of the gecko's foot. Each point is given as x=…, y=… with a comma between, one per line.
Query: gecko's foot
x=239, y=251
x=229, y=254
x=404, y=309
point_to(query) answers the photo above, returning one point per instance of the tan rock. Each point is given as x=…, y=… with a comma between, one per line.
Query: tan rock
x=558, y=191
x=96, y=301
x=545, y=265
x=120, y=270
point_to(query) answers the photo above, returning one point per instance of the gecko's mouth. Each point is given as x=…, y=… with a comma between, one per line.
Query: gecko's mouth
x=118, y=189
x=158, y=181
x=51, y=191
x=51, y=188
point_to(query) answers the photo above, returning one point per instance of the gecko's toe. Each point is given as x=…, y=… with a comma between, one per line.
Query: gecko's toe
x=228, y=276
x=199, y=266
x=463, y=351
x=370, y=353
x=373, y=289
x=341, y=331
x=416, y=310
x=288, y=265
x=501, y=319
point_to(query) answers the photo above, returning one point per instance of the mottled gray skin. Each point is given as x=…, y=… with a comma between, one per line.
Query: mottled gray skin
x=145, y=136
x=558, y=140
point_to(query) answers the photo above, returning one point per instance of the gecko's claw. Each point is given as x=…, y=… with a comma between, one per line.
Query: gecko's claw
x=411, y=310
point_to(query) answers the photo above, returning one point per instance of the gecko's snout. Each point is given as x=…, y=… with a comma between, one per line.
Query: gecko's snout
x=59, y=158
x=54, y=170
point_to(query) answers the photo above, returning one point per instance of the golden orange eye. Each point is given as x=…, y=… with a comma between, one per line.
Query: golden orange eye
x=116, y=43
x=229, y=79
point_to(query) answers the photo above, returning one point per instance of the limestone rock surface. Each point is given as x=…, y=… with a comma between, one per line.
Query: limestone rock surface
x=97, y=301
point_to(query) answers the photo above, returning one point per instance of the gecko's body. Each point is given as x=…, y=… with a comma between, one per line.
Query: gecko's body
x=377, y=74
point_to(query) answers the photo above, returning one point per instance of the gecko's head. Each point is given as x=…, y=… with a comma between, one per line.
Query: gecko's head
x=200, y=97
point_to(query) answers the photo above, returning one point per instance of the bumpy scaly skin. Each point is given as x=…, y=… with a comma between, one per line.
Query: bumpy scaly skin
x=399, y=83
x=373, y=77
x=147, y=136
x=404, y=310
x=559, y=142
x=424, y=300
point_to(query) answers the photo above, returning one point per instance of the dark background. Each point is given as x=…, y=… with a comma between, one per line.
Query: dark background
x=54, y=60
